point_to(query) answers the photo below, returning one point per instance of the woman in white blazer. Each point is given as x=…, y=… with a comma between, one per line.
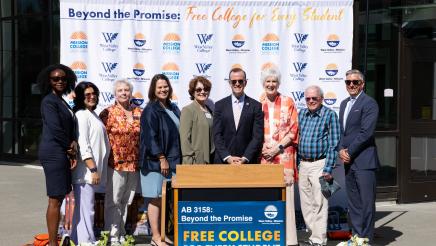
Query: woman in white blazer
x=90, y=174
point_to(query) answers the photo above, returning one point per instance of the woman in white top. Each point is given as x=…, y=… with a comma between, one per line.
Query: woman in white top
x=90, y=173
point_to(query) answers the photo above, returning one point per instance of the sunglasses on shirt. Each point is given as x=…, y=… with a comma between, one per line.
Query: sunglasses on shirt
x=355, y=82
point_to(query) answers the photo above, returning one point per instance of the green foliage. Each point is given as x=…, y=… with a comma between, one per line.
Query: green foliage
x=104, y=238
x=130, y=241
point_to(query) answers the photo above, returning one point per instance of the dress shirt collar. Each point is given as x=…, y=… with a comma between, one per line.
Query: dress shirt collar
x=356, y=96
x=241, y=99
x=319, y=112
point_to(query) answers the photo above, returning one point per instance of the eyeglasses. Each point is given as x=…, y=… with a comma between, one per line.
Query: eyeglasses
x=90, y=94
x=240, y=81
x=355, y=82
x=56, y=79
x=198, y=90
x=315, y=99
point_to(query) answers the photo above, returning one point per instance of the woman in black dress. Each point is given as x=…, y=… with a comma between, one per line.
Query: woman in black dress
x=57, y=150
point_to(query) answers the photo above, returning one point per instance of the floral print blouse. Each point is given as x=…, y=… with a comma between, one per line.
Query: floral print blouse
x=285, y=123
x=123, y=137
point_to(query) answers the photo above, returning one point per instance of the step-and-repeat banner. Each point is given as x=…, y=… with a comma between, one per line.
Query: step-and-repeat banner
x=309, y=41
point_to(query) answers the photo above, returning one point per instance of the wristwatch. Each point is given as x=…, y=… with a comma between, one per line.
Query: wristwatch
x=93, y=170
x=281, y=149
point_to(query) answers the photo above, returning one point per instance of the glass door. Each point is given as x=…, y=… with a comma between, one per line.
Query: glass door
x=418, y=124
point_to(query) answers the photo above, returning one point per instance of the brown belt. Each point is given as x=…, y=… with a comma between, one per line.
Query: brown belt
x=312, y=159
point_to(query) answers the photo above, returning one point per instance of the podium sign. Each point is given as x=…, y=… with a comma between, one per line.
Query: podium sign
x=231, y=223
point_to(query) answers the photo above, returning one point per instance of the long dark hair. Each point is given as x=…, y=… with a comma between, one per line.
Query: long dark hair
x=79, y=100
x=151, y=91
x=43, y=79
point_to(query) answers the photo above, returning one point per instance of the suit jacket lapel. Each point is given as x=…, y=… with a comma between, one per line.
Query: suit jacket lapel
x=342, y=112
x=229, y=103
x=244, y=111
x=356, y=103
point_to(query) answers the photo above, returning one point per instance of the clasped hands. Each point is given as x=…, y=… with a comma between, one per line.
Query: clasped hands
x=269, y=152
x=345, y=156
x=236, y=160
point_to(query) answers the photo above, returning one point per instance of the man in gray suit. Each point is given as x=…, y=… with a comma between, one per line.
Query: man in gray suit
x=358, y=117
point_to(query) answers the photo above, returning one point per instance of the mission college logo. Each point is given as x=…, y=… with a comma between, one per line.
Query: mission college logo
x=109, y=41
x=204, y=42
x=270, y=43
x=300, y=42
x=171, y=70
x=139, y=44
x=298, y=71
x=332, y=44
x=108, y=71
x=171, y=43
x=268, y=65
x=332, y=73
x=79, y=69
x=238, y=45
x=78, y=41
x=330, y=98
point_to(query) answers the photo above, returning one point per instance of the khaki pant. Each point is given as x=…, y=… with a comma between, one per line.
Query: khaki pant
x=291, y=229
x=120, y=190
x=314, y=205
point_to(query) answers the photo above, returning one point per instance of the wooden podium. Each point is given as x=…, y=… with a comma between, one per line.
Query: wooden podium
x=210, y=183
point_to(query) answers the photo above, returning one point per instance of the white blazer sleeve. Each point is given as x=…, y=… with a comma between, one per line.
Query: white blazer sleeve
x=83, y=129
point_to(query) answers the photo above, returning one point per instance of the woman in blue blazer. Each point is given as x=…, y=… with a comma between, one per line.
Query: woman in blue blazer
x=159, y=148
x=57, y=150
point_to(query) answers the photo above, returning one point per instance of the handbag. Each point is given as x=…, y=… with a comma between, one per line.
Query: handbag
x=40, y=239
x=328, y=188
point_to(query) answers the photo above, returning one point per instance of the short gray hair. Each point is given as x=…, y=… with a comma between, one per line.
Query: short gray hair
x=123, y=81
x=356, y=71
x=270, y=72
x=317, y=88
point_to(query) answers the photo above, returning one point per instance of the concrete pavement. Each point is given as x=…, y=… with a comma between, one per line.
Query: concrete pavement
x=23, y=204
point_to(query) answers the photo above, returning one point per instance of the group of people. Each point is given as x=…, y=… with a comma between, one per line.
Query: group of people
x=124, y=144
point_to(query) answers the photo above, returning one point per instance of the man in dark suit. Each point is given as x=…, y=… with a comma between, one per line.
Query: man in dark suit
x=358, y=117
x=237, y=124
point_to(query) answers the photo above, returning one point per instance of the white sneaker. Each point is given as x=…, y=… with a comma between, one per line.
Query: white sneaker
x=114, y=241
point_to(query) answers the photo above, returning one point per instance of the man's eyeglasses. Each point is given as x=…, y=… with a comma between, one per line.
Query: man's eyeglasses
x=315, y=99
x=90, y=94
x=56, y=79
x=198, y=90
x=355, y=82
x=240, y=81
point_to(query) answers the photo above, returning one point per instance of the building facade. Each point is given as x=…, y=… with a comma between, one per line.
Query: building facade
x=394, y=44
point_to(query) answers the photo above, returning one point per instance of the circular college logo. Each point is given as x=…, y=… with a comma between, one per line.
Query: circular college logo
x=139, y=40
x=333, y=40
x=331, y=69
x=270, y=212
x=238, y=41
